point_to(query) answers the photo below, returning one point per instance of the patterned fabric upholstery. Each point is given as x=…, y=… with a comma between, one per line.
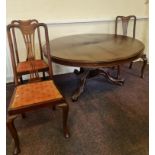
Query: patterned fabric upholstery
x=26, y=67
x=34, y=93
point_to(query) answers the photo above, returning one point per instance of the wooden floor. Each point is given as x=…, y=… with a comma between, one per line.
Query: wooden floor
x=107, y=119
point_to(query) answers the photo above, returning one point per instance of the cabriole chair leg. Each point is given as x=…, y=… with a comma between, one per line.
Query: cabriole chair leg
x=65, y=109
x=13, y=131
x=65, y=117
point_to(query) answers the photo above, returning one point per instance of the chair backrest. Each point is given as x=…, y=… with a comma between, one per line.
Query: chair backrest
x=28, y=29
x=125, y=20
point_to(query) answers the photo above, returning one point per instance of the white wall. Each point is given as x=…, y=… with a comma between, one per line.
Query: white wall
x=53, y=10
x=67, y=17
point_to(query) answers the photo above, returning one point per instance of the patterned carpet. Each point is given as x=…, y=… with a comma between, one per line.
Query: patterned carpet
x=106, y=120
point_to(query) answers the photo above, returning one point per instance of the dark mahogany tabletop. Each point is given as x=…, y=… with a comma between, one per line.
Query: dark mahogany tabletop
x=95, y=50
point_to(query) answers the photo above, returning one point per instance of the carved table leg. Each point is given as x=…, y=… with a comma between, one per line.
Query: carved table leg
x=112, y=79
x=65, y=109
x=89, y=73
x=81, y=87
x=13, y=131
x=144, y=65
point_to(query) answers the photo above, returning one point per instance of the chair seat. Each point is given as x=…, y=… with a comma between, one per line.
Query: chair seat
x=34, y=94
x=25, y=67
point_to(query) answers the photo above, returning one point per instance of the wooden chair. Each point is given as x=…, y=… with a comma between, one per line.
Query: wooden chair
x=24, y=38
x=34, y=95
x=125, y=21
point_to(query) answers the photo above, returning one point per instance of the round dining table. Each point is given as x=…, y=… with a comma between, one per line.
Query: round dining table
x=94, y=52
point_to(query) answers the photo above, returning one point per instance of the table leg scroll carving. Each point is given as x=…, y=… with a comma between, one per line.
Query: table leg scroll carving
x=90, y=73
x=112, y=79
x=13, y=131
x=79, y=91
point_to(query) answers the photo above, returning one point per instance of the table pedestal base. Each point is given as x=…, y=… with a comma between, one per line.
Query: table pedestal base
x=89, y=73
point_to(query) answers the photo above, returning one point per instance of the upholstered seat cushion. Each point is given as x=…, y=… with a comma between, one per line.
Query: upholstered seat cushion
x=34, y=93
x=26, y=66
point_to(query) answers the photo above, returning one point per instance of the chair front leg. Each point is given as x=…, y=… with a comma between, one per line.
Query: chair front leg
x=13, y=131
x=144, y=65
x=65, y=109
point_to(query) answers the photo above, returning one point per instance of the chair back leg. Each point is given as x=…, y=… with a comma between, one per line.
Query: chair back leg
x=144, y=65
